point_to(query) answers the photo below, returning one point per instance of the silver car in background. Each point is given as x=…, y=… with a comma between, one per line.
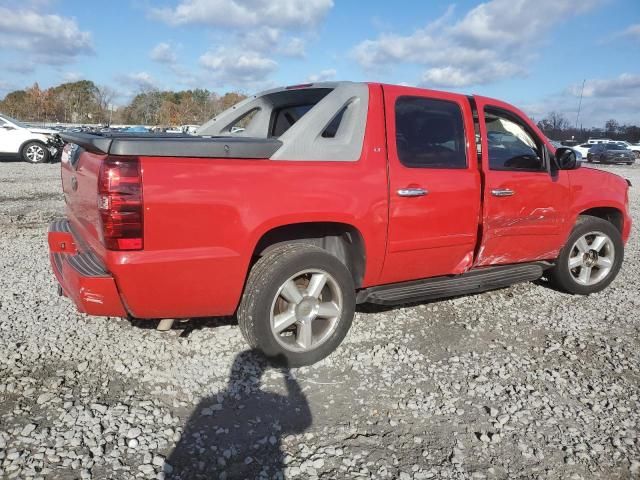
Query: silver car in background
x=611, y=153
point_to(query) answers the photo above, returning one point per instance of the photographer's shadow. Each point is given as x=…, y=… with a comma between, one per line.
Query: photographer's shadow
x=238, y=433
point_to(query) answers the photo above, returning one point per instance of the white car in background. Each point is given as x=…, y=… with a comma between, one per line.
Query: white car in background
x=33, y=145
x=579, y=156
x=634, y=147
x=584, y=148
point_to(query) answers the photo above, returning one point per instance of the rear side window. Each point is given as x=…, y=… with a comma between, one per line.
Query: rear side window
x=430, y=133
x=511, y=146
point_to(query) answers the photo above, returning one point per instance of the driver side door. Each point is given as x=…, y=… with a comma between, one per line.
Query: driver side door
x=525, y=201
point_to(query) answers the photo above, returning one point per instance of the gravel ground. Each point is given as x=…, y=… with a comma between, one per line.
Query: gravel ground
x=524, y=382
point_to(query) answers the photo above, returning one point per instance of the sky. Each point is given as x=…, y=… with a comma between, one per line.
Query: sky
x=532, y=53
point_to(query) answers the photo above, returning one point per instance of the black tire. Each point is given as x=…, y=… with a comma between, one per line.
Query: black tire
x=561, y=275
x=261, y=293
x=589, y=158
x=28, y=150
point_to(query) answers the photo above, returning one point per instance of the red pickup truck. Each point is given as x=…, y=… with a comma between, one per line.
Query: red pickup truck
x=298, y=203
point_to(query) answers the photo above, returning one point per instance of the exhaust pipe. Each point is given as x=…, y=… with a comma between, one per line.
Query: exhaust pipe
x=165, y=324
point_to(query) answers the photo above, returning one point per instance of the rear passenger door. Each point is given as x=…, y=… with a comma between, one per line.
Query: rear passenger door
x=434, y=184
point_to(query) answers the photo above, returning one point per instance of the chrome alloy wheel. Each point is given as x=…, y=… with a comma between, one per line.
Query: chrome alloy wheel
x=591, y=258
x=306, y=310
x=35, y=153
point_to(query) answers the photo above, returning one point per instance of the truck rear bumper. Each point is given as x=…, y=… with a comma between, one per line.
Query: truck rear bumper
x=81, y=275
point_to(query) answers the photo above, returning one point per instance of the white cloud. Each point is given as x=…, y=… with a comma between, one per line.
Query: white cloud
x=605, y=98
x=254, y=32
x=292, y=47
x=632, y=31
x=163, y=53
x=46, y=38
x=322, y=76
x=72, y=76
x=139, y=80
x=237, y=67
x=494, y=40
x=270, y=40
x=246, y=13
x=624, y=85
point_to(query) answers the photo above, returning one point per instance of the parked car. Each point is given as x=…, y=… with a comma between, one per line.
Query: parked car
x=337, y=193
x=33, y=145
x=583, y=149
x=136, y=129
x=611, y=153
x=558, y=144
x=634, y=147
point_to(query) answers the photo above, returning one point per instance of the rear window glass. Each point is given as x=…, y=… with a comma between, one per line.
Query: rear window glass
x=429, y=133
x=284, y=118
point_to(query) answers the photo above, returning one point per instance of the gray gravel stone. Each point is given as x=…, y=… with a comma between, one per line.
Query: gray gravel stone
x=523, y=382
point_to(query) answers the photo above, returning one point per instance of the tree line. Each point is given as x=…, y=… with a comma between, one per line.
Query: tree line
x=87, y=103
x=557, y=127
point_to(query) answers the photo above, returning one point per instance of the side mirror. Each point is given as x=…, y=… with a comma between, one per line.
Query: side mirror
x=566, y=159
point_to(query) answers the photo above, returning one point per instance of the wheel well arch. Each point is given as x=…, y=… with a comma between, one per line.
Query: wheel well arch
x=342, y=240
x=610, y=214
x=31, y=140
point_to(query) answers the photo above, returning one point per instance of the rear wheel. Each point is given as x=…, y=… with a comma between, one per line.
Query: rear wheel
x=35, y=152
x=591, y=258
x=298, y=304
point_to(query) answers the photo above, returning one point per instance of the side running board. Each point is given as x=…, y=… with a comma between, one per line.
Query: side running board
x=474, y=281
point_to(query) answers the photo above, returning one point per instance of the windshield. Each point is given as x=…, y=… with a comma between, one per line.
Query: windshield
x=13, y=120
x=613, y=146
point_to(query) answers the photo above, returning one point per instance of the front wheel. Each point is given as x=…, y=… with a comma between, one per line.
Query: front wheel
x=298, y=304
x=35, y=152
x=591, y=258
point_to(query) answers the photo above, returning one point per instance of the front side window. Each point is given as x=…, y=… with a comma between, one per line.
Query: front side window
x=511, y=147
x=430, y=133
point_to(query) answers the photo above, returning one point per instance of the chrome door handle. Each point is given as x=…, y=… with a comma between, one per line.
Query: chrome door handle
x=412, y=192
x=502, y=192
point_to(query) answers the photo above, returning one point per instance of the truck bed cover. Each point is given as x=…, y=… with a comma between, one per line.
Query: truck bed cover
x=174, y=145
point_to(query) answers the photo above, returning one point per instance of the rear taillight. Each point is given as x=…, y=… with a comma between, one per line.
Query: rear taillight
x=120, y=203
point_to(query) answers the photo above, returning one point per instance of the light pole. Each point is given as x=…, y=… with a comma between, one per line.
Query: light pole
x=580, y=102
